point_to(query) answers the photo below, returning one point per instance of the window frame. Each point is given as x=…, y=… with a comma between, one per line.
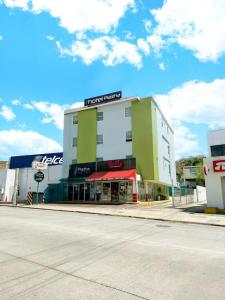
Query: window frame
x=129, y=137
x=99, y=139
x=128, y=112
x=100, y=113
x=74, y=144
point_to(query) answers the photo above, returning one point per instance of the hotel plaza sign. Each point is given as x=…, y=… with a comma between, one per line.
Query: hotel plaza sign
x=219, y=166
x=103, y=99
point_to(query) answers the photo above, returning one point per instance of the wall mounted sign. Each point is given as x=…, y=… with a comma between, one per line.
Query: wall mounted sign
x=115, y=164
x=25, y=161
x=219, y=166
x=103, y=99
x=82, y=170
x=39, y=165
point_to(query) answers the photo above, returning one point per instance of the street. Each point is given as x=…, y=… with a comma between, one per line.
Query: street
x=67, y=255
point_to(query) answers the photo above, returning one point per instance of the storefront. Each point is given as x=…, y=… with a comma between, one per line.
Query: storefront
x=112, y=181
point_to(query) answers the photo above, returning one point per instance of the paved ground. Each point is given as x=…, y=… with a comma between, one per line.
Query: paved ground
x=47, y=254
x=192, y=213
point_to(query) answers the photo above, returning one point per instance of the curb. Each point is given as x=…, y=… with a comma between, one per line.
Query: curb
x=115, y=215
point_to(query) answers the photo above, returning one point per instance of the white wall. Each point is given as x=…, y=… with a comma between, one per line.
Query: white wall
x=113, y=127
x=3, y=174
x=166, y=156
x=213, y=182
x=215, y=137
x=9, y=185
x=27, y=183
x=69, y=152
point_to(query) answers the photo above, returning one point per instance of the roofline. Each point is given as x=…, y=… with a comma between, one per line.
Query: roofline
x=73, y=110
x=132, y=98
x=167, y=123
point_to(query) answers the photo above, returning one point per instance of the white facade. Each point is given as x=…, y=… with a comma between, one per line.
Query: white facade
x=27, y=183
x=215, y=137
x=70, y=132
x=113, y=127
x=214, y=167
x=20, y=175
x=166, y=159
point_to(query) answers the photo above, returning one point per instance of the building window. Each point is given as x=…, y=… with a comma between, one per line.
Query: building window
x=99, y=138
x=218, y=150
x=99, y=116
x=127, y=111
x=129, y=136
x=74, y=161
x=75, y=119
x=99, y=159
x=129, y=156
x=74, y=142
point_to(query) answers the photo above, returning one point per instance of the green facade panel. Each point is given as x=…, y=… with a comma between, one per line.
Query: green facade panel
x=86, y=139
x=144, y=136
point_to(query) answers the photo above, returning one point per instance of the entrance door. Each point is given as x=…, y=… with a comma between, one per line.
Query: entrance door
x=122, y=191
x=106, y=191
x=115, y=191
x=76, y=192
x=70, y=192
x=81, y=192
x=87, y=192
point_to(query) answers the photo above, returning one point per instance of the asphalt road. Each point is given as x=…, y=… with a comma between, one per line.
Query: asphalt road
x=62, y=255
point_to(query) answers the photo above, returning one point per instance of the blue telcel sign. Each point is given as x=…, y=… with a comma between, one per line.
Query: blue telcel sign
x=25, y=161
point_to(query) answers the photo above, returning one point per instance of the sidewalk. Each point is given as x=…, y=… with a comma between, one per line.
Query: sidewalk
x=163, y=211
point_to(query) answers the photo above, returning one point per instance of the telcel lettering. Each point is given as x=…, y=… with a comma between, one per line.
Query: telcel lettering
x=52, y=160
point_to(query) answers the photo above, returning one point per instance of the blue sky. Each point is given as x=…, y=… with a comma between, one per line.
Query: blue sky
x=54, y=54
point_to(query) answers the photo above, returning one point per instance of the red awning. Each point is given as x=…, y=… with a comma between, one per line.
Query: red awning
x=113, y=175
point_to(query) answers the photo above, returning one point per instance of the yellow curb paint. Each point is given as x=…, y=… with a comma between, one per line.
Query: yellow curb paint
x=152, y=203
x=214, y=210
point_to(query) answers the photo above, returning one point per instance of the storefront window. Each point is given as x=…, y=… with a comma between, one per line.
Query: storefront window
x=106, y=191
x=98, y=191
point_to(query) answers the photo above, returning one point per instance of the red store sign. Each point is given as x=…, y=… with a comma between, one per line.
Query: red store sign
x=113, y=164
x=219, y=165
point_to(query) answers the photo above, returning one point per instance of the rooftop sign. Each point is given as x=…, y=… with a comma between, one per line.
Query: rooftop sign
x=103, y=99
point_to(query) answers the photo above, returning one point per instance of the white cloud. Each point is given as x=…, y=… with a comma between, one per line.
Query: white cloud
x=7, y=113
x=53, y=113
x=75, y=16
x=19, y=142
x=111, y=50
x=50, y=37
x=196, y=102
x=148, y=25
x=186, y=143
x=162, y=66
x=1, y=38
x=143, y=46
x=23, y=4
x=193, y=103
x=129, y=35
x=195, y=25
x=28, y=106
x=16, y=102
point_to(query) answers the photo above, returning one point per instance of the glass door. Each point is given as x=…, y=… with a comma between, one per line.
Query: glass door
x=122, y=191
x=106, y=191
x=115, y=191
x=75, y=192
x=81, y=192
